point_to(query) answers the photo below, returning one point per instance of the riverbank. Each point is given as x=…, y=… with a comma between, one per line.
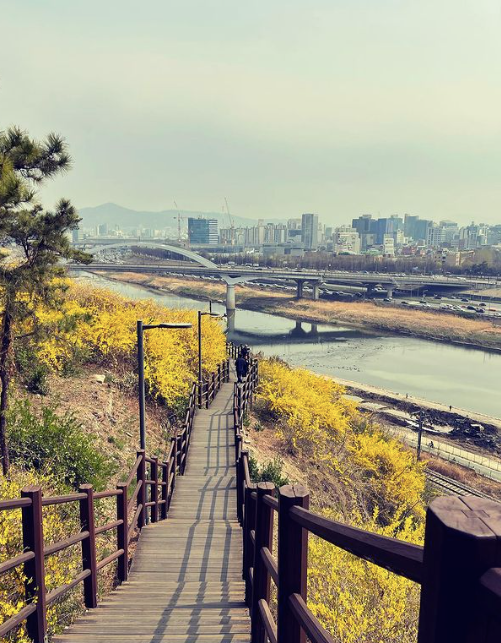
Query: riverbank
x=425, y=324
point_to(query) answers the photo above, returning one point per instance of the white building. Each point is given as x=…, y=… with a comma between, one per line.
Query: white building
x=388, y=245
x=346, y=239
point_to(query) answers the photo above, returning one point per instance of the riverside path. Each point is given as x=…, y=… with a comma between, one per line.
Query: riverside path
x=186, y=579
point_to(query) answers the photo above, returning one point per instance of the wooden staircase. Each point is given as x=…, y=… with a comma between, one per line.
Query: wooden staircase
x=186, y=580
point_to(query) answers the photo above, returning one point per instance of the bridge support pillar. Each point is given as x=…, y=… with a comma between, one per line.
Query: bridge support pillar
x=299, y=294
x=389, y=292
x=316, y=290
x=230, y=299
x=370, y=288
x=230, y=321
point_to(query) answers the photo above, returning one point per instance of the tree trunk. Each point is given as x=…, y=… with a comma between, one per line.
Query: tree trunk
x=5, y=344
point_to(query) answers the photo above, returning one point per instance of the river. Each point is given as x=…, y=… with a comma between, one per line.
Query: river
x=465, y=378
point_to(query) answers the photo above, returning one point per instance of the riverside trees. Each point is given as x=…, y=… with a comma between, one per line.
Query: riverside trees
x=32, y=242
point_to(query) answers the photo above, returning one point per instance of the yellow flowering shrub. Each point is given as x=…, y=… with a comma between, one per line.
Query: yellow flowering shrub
x=310, y=412
x=316, y=422
x=101, y=325
x=357, y=601
x=59, y=522
x=367, y=479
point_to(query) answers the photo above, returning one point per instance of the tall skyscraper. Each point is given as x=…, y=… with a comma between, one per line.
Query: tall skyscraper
x=202, y=231
x=309, y=231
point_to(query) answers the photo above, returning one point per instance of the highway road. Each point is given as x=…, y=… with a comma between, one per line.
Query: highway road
x=404, y=282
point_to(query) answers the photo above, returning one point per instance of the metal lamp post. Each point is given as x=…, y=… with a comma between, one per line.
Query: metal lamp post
x=140, y=363
x=200, y=315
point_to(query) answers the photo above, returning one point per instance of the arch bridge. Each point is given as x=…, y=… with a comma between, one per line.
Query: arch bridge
x=229, y=274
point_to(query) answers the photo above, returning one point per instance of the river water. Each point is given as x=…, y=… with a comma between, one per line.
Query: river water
x=465, y=378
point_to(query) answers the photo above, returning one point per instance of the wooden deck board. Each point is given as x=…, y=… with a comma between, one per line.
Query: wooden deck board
x=185, y=583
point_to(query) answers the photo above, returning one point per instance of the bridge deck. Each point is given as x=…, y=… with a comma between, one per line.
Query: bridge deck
x=186, y=582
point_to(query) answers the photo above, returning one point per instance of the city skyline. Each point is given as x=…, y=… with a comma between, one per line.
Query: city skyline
x=282, y=108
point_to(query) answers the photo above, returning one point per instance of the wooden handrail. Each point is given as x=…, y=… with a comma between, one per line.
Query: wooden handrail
x=18, y=503
x=403, y=558
x=62, y=500
x=64, y=544
x=309, y=623
x=133, y=471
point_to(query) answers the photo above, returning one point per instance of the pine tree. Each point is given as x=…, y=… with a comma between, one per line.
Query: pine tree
x=33, y=241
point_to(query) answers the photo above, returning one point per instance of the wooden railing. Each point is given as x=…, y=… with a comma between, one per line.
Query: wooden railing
x=459, y=567
x=144, y=497
x=207, y=390
x=243, y=397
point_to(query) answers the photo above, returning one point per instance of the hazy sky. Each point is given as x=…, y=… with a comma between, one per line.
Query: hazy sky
x=283, y=106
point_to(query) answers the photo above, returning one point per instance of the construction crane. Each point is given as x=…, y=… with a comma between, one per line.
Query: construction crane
x=179, y=219
x=232, y=223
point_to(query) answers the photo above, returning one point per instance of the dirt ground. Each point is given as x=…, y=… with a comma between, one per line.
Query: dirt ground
x=109, y=411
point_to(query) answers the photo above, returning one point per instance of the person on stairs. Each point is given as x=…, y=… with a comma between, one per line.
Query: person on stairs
x=242, y=366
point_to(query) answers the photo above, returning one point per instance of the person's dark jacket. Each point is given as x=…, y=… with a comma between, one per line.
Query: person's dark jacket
x=242, y=366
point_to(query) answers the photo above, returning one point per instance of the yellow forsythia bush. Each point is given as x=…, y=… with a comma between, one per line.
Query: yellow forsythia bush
x=370, y=481
x=310, y=411
x=357, y=601
x=315, y=421
x=59, y=521
x=101, y=325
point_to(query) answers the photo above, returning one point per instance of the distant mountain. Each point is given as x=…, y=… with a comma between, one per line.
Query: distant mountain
x=113, y=214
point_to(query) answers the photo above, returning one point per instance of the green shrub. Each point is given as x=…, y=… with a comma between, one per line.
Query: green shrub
x=269, y=472
x=47, y=441
x=33, y=372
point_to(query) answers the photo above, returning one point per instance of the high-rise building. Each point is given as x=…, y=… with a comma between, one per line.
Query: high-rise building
x=364, y=224
x=202, y=231
x=422, y=230
x=410, y=223
x=309, y=231
x=346, y=240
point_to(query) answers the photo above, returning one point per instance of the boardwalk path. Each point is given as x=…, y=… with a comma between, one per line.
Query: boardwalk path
x=186, y=581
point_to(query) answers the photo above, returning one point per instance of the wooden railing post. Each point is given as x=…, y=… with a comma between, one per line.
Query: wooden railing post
x=154, y=490
x=462, y=539
x=179, y=451
x=89, y=545
x=199, y=394
x=238, y=446
x=34, y=569
x=141, y=496
x=292, y=562
x=240, y=490
x=122, y=531
x=249, y=525
x=173, y=441
x=165, y=490
x=261, y=578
